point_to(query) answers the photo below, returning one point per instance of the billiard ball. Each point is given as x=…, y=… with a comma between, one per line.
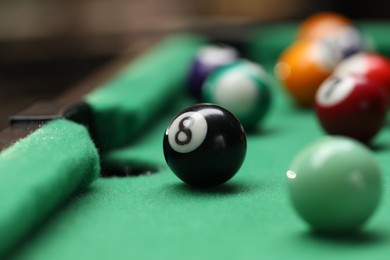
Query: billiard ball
x=348, y=40
x=243, y=88
x=204, y=145
x=334, y=185
x=371, y=65
x=336, y=30
x=303, y=66
x=351, y=105
x=208, y=59
x=320, y=24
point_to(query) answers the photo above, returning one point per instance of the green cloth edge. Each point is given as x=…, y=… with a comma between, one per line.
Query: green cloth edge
x=119, y=105
x=40, y=172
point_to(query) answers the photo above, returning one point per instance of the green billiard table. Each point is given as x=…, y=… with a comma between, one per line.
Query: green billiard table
x=102, y=189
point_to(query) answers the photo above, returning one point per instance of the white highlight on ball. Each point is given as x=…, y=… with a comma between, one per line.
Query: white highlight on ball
x=291, y=174
x=237, y=92
x=334, y=90
x=282, y=70
x=189, y=122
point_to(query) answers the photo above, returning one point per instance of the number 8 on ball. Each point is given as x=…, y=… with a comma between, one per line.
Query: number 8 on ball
x=187, y=132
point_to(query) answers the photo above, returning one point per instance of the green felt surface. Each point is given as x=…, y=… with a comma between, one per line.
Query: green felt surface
x=39, y=173
x=250, y=217
x=150, y=82
x=157, y=216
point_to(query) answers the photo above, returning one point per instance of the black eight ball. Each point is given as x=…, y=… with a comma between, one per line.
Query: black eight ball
x=204, y=145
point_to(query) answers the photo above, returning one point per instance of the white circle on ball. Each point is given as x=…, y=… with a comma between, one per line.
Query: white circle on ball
x=326, y=53
x=347, y=37
x=357, y=63
x=334, y=90
x=237, y=92
x=217, y=55
x=187, y=132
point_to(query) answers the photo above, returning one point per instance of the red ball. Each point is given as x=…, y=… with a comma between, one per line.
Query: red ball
x=371, y=65
x=351, y=105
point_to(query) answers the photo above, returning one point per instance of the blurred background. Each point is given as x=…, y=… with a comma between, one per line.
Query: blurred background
x=48, y=45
